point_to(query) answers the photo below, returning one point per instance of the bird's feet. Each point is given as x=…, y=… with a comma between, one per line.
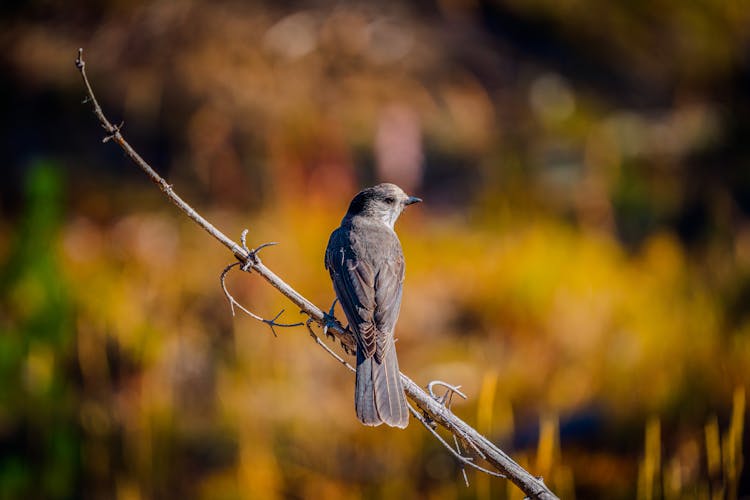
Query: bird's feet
x=330, y=321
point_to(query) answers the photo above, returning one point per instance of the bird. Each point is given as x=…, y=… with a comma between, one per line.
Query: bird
x=366, y=263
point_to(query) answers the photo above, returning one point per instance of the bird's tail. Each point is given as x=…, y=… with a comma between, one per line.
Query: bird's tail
x=379, y=394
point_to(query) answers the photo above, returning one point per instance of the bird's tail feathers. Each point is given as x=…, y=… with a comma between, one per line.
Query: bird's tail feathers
x=379, y=393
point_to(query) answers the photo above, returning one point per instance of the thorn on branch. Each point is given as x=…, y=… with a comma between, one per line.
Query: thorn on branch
x=272, y=323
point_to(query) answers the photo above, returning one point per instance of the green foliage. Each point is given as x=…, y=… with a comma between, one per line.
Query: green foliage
x=40, y=452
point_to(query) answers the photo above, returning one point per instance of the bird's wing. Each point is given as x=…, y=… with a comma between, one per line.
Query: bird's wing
x=389, y=282
x=367, y=271
x=354, y=284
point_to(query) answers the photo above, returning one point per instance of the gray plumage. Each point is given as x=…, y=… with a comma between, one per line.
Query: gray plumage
x=366, y=264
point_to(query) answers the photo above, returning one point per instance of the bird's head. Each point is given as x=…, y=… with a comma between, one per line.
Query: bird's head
x=384, y=202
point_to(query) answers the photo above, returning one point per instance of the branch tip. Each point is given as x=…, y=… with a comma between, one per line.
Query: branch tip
x=243, y=240
x=79, y=60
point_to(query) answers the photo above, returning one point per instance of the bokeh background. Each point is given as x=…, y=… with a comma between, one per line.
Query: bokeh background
x=580, y=265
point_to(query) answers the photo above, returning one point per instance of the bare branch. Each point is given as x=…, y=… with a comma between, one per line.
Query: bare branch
x=434, y=409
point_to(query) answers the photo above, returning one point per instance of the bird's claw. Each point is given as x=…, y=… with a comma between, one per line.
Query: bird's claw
x=330, y=321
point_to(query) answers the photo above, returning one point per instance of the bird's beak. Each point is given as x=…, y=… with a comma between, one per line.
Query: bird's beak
x=412, y=200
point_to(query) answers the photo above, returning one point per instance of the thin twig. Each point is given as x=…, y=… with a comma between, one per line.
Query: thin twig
x=448, y=393
x=463, y=468
x=325, y=346
x=436, y=412
x=272, y=324
x=471, y=443
x=464, y=460
x=446, y=400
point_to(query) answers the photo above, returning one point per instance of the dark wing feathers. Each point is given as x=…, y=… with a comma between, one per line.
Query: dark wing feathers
x=370, y=300
x=350, y=281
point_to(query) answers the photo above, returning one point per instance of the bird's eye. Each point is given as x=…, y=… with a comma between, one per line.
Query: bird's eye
x=390, y=200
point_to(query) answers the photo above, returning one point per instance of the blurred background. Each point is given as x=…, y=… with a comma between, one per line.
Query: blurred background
x=580, y=265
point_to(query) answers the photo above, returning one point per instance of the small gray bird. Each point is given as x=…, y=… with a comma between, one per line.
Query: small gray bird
x=366, y=264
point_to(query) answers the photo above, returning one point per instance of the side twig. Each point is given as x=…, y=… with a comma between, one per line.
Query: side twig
x=272, y=324
x=430, y=407
x=463, y=468
x=462, y=459
x=325, y=346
